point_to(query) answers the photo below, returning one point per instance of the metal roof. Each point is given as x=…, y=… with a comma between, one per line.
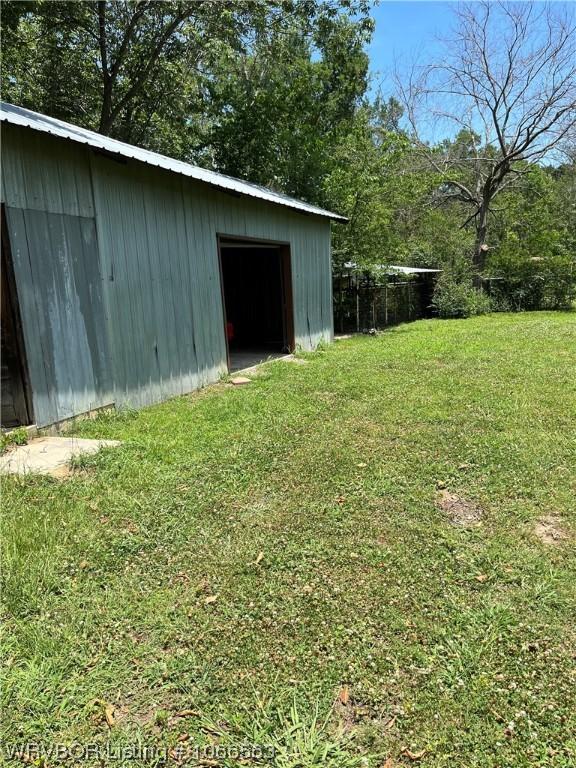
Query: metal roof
x=34, y=120
x=393, y=269
x=411, y=270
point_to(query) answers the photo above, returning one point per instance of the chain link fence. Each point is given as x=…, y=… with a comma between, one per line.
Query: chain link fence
x=363, y=301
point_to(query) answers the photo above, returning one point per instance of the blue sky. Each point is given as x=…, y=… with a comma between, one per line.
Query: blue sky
x=409, y=32
x=405, y=30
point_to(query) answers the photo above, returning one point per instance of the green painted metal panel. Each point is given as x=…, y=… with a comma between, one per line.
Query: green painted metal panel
x=33, y=319
x=59, y=288
x=162, y=336
x=51, y=176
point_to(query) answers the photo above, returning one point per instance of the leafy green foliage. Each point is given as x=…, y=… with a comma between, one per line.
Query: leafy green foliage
x=361, y=187
x=458, y=298
x=280, y=105
x=17, y=436
x=529, y=283
x=276, y=93
x=535, y=251
x=256, y=89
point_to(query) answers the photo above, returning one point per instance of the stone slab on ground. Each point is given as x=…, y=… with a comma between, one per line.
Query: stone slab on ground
x=48, y=455
x=239, y=380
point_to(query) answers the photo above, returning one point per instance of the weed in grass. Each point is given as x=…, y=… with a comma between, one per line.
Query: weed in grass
x=18, y=436
x=288, y=738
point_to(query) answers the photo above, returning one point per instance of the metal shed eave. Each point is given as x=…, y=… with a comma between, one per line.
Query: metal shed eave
x=35, y=121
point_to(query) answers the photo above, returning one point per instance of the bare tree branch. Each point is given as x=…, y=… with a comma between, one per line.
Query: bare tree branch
x=509, y=79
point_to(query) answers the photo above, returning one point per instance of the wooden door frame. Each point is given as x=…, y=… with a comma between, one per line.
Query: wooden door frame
x=7, y=267
x=225, y=240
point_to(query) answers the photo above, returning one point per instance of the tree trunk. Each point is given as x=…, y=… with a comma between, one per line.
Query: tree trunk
x=480, y=247
x=106, y=111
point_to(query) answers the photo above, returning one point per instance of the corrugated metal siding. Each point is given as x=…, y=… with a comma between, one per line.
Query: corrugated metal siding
x=50, y=215
x=309, y=239
x=154, y=276
x=158, y=244
x=163, y=288
x=41, y=175
x=59, y=287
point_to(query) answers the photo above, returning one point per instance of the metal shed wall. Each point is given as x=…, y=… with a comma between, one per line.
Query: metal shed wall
x=144, y=302
x=52, y=234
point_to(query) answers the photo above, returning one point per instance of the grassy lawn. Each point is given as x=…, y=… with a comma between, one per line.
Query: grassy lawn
x=270, y=564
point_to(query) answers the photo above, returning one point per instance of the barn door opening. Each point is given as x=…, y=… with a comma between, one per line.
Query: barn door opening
x=15, y=406
x=257, y=296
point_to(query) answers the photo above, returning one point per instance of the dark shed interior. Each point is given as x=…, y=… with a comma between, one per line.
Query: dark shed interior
x=14, y=401
x=254, y=291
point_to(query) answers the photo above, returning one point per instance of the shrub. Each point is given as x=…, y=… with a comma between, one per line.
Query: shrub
x=532, y=283
x=458, y=298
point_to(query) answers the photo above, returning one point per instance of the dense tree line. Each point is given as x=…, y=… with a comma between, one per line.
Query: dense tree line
x=278, y=93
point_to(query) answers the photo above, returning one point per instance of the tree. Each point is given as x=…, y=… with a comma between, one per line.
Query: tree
x=257, y=89
x=277, y=108
x=390, y=206
x=114, y=54
x=367, y=185
x=508, y=83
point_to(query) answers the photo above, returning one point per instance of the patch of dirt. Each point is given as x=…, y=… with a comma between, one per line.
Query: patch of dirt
x=549, y=530
x=72, y=471
x=351, y=714
x=63, y=471
x=460, y=511
x=129, y=526
x=144, y=719
x=326, y=395
x=345, y=717
x=348, y=714
x=128, y=713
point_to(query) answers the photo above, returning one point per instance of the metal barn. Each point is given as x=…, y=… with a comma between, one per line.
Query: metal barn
x=129, y=277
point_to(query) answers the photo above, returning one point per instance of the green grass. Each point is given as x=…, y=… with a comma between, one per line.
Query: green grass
x=330, y=470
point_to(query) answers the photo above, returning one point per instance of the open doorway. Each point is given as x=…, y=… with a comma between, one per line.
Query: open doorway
x=257, y=296
x=15, y=407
